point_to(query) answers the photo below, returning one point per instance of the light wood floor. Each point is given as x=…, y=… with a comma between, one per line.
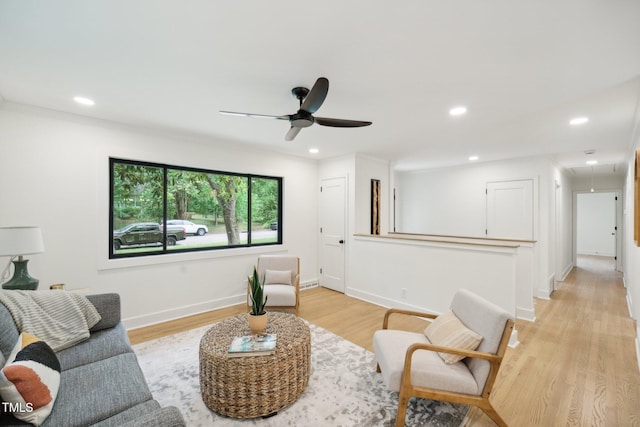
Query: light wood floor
x=575, y=366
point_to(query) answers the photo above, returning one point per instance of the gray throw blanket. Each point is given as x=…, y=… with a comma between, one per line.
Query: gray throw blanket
x=61, y=319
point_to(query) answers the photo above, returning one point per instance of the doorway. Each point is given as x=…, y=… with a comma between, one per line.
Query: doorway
x=332, y=233
x=597, y=222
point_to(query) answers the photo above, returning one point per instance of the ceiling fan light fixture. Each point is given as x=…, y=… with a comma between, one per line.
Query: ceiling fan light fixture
x=314, y=150
x=579, y=121
x=458, y=111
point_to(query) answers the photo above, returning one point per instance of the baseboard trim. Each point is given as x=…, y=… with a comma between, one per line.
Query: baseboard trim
x=526, y=314
x=566, y=271
x=384, y=302
x=514, y=339
x=190, y=310
x=180, y=312
x=543, y=294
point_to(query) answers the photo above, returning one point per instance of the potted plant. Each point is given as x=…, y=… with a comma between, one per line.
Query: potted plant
x=258, y=315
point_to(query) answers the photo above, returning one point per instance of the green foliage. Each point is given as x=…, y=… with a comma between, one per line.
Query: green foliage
x=264, y=200
x=137, y=192
x=256, y=293
x=138, y=195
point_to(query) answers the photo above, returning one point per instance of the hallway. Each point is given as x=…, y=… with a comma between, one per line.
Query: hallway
x=576, y=365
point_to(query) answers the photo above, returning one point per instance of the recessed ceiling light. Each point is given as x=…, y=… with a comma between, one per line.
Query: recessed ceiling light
x=592, y=162
x=579, y=121
x=84, y=101
x=458, y=111
x=473, y=158
x=314, y=150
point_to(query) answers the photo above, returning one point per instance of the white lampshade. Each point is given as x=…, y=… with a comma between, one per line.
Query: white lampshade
x=16, y=241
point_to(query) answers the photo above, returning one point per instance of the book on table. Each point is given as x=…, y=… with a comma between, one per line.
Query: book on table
x=253, y=345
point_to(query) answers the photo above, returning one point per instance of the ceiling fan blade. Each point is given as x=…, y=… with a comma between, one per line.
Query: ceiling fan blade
x=293, y=132
x=340, y=123
x=316, y=96
x=258, y=116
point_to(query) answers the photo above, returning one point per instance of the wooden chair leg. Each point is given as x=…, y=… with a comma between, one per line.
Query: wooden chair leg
x=491, y=412
x=403, y=402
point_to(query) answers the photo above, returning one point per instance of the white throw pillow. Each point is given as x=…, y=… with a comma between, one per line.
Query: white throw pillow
x=277, y=277
x=447, y=330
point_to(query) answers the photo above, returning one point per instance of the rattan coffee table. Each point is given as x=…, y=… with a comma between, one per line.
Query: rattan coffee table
x=254, y=386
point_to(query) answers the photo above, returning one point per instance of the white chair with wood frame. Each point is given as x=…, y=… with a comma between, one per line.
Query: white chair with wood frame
x=456, y=359
x=281, y=276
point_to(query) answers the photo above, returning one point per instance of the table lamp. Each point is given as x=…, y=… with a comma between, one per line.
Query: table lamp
x=16, y=242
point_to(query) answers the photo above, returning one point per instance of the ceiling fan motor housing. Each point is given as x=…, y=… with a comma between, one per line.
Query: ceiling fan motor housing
x=302, y=119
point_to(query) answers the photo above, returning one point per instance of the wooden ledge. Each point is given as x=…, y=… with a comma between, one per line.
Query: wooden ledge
x=443, y=239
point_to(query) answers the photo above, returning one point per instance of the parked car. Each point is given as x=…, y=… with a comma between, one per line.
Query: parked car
x=274, y=225
x=189, y=227
x=146, y=233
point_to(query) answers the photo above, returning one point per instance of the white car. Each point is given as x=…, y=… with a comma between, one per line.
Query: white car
x=189, y=227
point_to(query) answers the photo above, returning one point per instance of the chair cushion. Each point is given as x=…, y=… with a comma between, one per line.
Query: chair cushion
x=279, y=263
x=448, y=331
x=280, y=295
x=277, y=277
x=484, y=318
x=427, y=369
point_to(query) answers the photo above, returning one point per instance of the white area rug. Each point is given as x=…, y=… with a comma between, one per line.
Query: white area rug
x=344, y=388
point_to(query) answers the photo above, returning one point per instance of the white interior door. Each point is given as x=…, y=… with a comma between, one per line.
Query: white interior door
x=596, y=224
x=510, y=209
x=332, y=232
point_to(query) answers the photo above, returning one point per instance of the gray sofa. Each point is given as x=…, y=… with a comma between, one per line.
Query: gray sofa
x=101, y=383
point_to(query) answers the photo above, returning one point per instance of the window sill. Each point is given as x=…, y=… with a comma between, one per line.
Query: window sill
x=112, y=264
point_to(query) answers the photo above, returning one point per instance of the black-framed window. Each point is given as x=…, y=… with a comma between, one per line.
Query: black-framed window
x=157, y=208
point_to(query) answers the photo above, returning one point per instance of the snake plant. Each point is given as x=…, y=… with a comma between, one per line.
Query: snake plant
x=256, y=293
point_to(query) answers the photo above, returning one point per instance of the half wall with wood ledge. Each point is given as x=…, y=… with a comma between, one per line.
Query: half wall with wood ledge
x=422, y=272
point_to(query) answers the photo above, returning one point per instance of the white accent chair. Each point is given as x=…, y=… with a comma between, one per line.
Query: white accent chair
x=281, y=275
x=411, y=364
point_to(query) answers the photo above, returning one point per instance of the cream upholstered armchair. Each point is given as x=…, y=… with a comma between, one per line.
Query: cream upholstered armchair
x=455, y=360
x=281, y=275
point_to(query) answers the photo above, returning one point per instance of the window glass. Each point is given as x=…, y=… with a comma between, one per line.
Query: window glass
x=181, y=209
x=265, y=208
x=136, y=209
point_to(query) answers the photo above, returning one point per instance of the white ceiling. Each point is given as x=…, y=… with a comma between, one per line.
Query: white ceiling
x=523, y=69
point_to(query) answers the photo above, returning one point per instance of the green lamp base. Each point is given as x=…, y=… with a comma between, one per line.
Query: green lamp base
x=21, y=279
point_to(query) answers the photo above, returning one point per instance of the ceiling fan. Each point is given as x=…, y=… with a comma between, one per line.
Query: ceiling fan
x=310, y=102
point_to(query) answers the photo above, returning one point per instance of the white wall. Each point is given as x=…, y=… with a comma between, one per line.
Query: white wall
x=451, y=201
x=563, y=224
x=368, y=168
x=605, y=183
x=631, y=250
x=379, y=270
x=424, y=276
x=446, y=201
x=54, y=173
